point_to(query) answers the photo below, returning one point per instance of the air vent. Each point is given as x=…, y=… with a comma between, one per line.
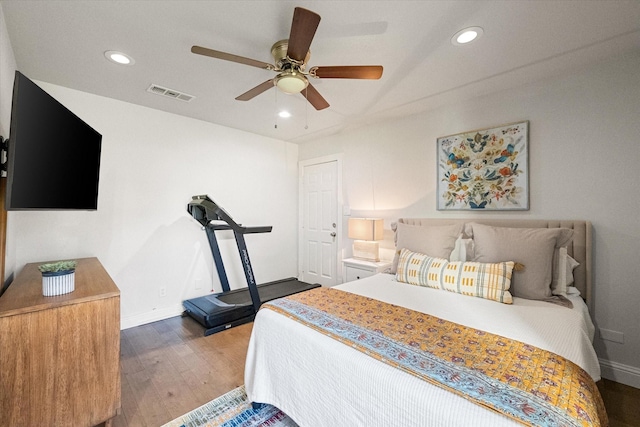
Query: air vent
x=170, y=93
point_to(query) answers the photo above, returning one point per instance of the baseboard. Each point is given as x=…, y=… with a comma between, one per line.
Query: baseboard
x=624, y=374
x=152, y=316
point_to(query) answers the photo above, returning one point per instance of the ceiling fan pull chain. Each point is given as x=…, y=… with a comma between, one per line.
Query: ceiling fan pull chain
x=306, y=108
x=276, y=109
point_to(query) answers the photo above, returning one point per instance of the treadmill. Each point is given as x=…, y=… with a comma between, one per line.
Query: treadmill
x=224, y=310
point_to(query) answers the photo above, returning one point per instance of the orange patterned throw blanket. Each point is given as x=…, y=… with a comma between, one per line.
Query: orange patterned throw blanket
x=530, y=385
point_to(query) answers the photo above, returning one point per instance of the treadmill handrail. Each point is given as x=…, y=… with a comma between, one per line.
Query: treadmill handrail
x=258, y=229
x=206, y=210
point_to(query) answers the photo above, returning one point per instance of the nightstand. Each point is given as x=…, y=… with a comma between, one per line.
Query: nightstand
x=355, y=269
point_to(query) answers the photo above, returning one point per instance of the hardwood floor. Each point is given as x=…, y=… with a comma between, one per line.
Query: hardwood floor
x=170, y=368
x=622, y=403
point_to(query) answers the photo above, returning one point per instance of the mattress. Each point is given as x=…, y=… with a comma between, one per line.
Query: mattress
x=319, y=381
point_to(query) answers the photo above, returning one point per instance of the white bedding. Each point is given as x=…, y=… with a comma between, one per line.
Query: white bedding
x=319, y=381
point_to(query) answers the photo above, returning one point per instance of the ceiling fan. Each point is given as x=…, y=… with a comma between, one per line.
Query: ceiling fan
x=291, y=56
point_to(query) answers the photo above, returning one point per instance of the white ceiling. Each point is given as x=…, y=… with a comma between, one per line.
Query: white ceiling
x=63, y=42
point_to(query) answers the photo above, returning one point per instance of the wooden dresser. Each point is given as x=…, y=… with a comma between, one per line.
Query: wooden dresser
x=60, y=356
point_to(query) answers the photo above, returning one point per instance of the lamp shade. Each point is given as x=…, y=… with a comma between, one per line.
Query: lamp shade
x=366, y=228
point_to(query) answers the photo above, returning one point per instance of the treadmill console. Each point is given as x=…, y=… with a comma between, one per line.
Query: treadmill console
x=205, y=210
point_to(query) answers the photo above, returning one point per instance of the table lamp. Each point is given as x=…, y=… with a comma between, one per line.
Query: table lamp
x=366, y=231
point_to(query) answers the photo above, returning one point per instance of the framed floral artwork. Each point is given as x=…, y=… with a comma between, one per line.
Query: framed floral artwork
x=484, y=169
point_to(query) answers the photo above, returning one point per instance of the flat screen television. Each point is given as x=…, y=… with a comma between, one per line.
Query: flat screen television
x=53, y=160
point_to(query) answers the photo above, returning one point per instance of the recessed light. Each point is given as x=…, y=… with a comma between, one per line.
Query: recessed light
x=119, y=57
x=284, y=114
x=467, y=35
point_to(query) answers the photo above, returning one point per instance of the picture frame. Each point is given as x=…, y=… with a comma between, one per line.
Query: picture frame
x=484, y=169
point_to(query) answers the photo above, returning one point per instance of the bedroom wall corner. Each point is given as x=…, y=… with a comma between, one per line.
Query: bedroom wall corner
x=7, y=71
x=8, y=67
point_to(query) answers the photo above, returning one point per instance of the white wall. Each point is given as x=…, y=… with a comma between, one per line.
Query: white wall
x=7, y=68
x=152, y=163
x=584, y=161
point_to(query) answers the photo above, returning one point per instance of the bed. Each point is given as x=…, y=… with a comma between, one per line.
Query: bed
x=319, y=377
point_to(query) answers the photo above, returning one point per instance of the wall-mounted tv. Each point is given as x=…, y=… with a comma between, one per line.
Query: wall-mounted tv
x=53, y=160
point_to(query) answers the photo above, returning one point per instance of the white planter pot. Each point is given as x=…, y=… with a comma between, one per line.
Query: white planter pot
x=58, y=283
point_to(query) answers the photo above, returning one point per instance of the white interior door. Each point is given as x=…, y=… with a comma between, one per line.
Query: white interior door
x=320, y=231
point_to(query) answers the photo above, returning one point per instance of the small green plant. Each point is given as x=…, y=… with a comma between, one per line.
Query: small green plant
x=54, y=267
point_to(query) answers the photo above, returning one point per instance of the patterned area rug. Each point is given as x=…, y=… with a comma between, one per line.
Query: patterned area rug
x=233, y=410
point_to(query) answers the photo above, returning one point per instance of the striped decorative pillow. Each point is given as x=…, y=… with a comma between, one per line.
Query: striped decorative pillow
x=489, y=281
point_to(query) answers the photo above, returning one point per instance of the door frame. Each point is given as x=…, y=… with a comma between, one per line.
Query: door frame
x=338, y=158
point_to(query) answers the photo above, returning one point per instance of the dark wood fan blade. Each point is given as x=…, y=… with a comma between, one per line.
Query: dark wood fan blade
x=314, y=97
x=373, y=72
x=230, y=57
x=303, y=28
x=252, y=93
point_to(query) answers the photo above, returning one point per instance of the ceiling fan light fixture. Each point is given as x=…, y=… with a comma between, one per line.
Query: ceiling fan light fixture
x=466, y=36
x=291, y=82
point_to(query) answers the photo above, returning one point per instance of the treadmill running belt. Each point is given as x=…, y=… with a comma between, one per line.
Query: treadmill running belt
x=217, y=312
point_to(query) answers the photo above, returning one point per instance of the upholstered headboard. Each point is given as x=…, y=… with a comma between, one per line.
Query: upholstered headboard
x=580, y=248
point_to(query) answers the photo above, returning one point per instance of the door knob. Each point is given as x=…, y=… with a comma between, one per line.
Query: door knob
x=333, y=234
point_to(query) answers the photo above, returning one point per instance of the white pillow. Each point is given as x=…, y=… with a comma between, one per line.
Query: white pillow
x=571, y=265
x=572, y=290
x=563, y=274
x=463, y=250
